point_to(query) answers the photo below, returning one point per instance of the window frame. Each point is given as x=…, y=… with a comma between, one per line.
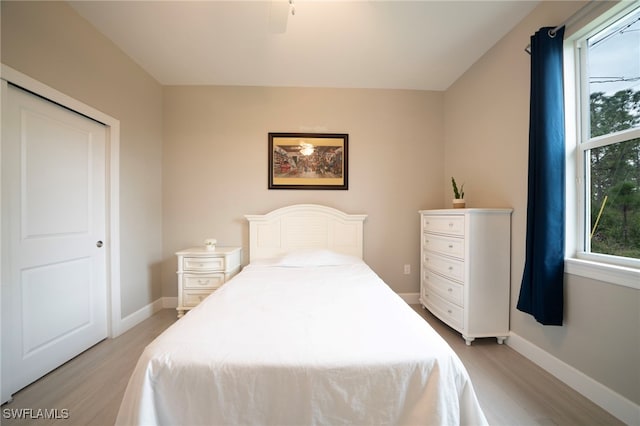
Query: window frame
x=578, y=260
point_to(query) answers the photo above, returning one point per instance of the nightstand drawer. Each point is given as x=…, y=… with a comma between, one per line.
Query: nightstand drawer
x=191, y=298
x=203, y=263
x=448, y=290
x=452, y=225
x=201, y=271
x=209, y=281
x=450, y=268
x=445, y=245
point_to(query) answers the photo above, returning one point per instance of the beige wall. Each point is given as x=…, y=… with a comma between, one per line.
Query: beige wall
x=486, y=146
x=215, y=165
x=50, y=42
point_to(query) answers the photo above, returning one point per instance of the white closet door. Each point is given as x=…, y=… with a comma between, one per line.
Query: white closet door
x=54, y=295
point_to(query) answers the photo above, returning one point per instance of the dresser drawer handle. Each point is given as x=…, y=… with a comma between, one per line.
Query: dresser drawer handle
x=203, y=282
x=450, y=224
x=449, y=289
x=450, y=245
x=451, y=268
x=449, y=311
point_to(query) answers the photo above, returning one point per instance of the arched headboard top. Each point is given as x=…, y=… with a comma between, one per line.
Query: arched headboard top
x=305, y=226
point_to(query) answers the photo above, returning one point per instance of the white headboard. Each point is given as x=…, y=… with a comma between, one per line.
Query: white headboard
x=304, y=226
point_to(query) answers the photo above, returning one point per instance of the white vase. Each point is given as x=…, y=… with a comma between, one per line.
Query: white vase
x=210, y=243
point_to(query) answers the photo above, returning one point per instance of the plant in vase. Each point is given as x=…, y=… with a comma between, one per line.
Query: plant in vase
x=458, y=194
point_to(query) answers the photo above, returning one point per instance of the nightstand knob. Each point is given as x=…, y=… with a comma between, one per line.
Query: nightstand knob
x=449, y=289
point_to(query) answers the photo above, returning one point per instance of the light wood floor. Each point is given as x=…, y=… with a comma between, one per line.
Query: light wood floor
x=512, y=390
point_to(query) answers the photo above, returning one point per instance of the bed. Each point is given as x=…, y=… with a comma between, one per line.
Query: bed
x=305, y=334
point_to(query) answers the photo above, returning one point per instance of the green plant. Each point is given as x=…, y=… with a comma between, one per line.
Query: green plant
x=458, y=194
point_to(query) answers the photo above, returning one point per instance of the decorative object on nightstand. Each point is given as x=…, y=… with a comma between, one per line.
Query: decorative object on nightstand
x=210, y=243
x=465, y=269
x=458, y=195
x=202, y=270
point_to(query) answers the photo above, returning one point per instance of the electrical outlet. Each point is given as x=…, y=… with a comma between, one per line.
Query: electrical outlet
x=407, y=269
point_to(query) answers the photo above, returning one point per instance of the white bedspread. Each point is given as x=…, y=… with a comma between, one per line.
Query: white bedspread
x=299, y=346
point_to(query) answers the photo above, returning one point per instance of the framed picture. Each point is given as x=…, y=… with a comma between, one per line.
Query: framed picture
x=308, y=160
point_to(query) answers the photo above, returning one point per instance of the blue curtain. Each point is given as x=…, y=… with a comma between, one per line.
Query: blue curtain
x=542, y=289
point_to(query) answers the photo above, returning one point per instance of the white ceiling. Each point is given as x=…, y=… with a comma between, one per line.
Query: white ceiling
x=423, y=45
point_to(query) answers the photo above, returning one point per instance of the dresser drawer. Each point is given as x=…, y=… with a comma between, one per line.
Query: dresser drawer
x=446, y=311
x=451, y=225
x=191, y=298
x=445, y=245
x=208, y=281
x=450, y=268
x=203, y=263
x=447, y=289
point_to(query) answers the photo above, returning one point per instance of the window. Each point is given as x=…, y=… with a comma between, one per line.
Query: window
x=608, y=153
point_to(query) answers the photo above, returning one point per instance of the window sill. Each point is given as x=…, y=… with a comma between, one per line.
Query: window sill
x=612, y=274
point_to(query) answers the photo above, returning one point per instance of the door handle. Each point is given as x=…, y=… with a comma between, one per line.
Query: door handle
x=99, y=244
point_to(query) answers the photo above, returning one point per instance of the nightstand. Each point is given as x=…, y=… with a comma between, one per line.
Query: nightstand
x=202, y=271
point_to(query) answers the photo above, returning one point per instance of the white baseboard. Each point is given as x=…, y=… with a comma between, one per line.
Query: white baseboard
x=410, y=298
x=145, y=312
x=616, y=404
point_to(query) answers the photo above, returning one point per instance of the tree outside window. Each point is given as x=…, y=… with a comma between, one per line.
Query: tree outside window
x=611, y=142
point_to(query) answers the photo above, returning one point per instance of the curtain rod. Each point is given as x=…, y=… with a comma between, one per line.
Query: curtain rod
x=569, y=21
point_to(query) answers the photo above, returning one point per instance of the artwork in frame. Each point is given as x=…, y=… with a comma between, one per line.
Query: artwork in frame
x=308, y=160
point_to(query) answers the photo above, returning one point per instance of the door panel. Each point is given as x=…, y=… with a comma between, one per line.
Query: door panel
x=54, y=293
x=55, y=174
x=45, y=323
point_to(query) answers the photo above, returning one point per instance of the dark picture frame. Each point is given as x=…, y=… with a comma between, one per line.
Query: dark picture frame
x=309, y=161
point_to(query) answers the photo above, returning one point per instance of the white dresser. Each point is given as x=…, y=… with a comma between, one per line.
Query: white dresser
x=202, y=271
x=465, y=269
